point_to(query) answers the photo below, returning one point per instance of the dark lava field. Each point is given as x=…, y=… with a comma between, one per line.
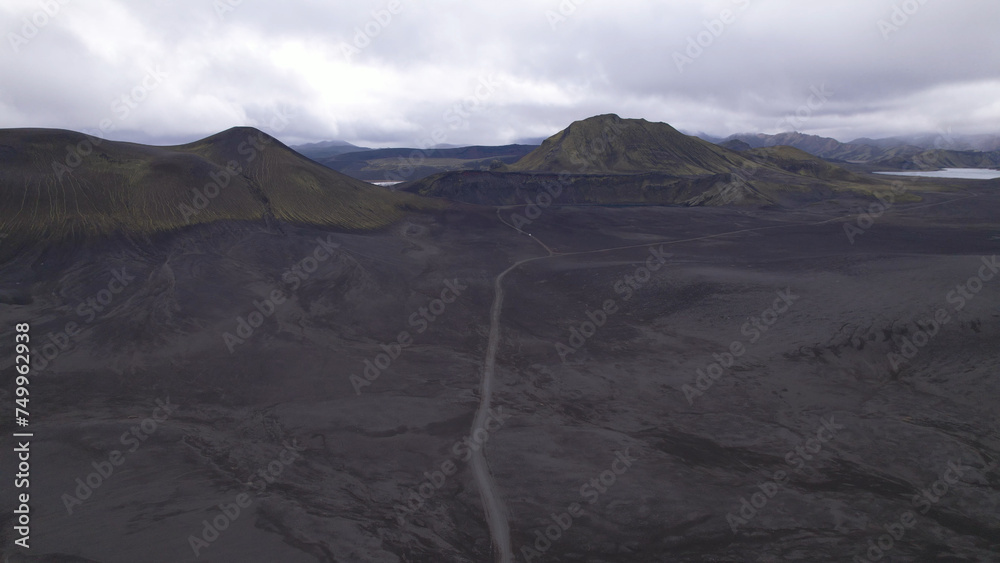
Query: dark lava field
x=724, y=384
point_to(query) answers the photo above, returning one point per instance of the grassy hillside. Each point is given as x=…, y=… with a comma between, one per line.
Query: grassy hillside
x=800, y=162
x=608, y=144
x=57, y=184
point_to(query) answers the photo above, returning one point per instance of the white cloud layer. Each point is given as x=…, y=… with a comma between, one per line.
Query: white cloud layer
x=389, y=72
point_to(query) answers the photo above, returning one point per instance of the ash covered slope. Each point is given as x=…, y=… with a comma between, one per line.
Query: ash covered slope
x=609, y=144
x=57, y=185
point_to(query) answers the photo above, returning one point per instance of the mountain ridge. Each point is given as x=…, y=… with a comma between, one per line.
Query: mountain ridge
x=893, y=152
x=398, y=164
x=607, y=160
x=607, y=144
x=58, y=184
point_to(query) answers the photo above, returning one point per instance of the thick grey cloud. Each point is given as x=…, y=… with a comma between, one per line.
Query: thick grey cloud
x=460, y=72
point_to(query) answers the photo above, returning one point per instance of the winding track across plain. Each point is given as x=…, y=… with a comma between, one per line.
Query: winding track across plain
x=496, y=510
x=494, y=507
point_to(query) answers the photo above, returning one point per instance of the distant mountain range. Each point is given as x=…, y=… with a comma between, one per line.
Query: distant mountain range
x=405, y=164
x=678, y=153
x=899, y=153
x=326, y=149
x=610, y=160
x=823, y=147
x=942, y=140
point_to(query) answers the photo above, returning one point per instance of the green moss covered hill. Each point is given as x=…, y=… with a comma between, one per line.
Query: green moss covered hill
x=607, y=160
x=57, y=185
x=609, y=144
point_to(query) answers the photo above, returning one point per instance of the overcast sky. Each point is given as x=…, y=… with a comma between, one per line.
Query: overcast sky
x=461, y=72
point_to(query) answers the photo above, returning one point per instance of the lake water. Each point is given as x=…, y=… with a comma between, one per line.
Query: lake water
x=961, y=173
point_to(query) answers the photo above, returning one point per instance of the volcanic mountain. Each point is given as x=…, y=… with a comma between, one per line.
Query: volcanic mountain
x=607, y=160
x=608, y=144
x=57, y=184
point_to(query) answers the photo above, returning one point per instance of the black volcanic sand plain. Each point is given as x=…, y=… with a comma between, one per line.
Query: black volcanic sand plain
x=823, y=363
